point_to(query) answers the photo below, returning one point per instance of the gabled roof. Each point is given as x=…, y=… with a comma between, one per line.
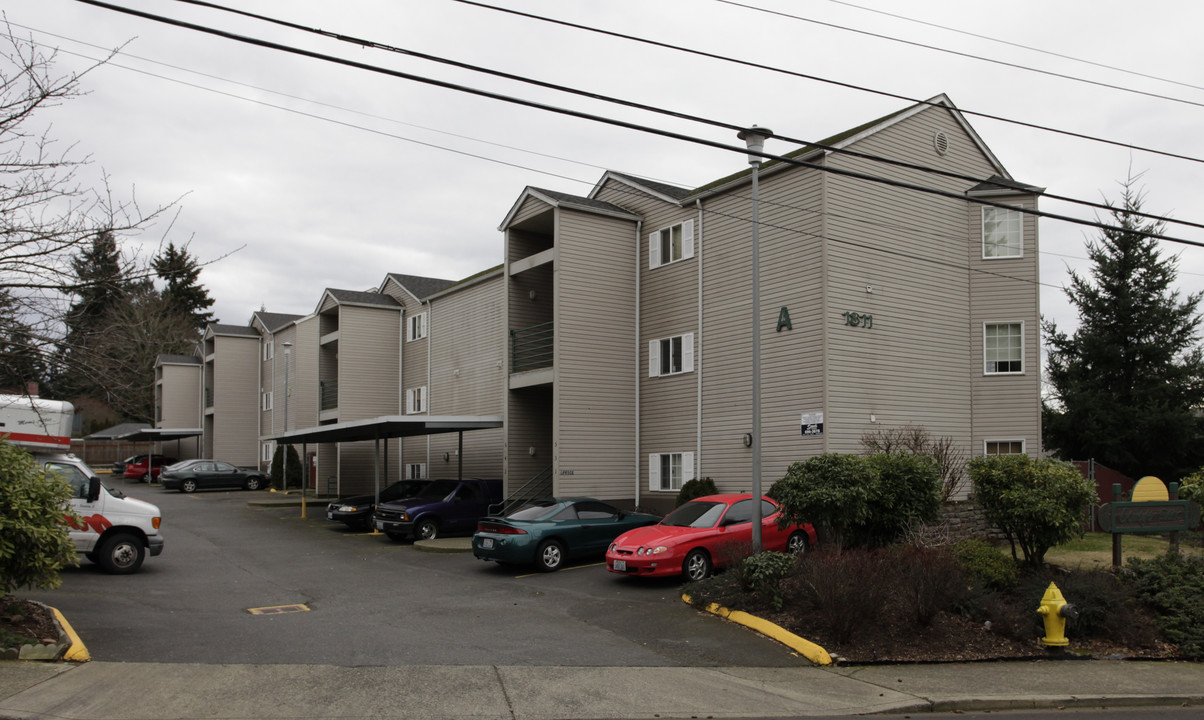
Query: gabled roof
x=274, y=322
x=214, y=329
x=996, y=185
x=848, y=137
x=416, y=285
x=570, y=202
x=664, y=191
x=358, y=297
x=177, y=360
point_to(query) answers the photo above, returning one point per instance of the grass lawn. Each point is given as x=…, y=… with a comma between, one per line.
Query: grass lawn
x=1095, y=549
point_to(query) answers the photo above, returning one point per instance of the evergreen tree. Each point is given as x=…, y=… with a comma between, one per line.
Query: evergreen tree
x=179, y=272
x=1126, y=384
x=100, y=288
x=21, y=359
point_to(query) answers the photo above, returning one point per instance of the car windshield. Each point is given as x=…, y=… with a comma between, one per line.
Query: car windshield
x=533, y=510
x=696, y=514
x=438, y=490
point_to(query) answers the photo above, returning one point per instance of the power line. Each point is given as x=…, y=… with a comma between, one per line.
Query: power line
x=610, y=121
x=829, y=81
x=365, y=42
x=1018, y=45
x=1004, y=63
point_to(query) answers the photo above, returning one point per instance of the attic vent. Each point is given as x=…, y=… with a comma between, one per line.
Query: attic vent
x=941, y=142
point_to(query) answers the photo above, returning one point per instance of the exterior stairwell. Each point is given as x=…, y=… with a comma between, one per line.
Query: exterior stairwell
x=537, y=487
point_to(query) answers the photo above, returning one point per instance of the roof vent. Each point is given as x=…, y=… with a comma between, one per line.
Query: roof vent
x=941, y=142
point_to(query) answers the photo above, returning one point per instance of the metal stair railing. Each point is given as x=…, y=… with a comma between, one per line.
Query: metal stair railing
x=536, y=487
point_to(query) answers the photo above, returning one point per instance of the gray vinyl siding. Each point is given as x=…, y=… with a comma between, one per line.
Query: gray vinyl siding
x=368, y=367
x=236, y=400
x=414, y=373
x=180, y=396
x=1007, y=407
x=791, y=360
x=595, y=385
x=303, y=404
x=468, y=375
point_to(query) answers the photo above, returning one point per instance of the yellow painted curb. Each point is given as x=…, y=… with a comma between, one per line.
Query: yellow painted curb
x=77, y=652
x=806, y=648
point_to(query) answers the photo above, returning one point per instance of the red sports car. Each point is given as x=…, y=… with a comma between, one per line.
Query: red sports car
x=702, y=535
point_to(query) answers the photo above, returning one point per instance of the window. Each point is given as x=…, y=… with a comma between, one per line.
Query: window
x=671, y=244
x=1003, y=348
x=268, y=350
x=416, y=400
x=1005, y=447
x=670, y=356
x=416, y=471
x=266, y=456
x=267, y=400
x=74, y=476
x=668, y=471
x=416, y=327
x=1001, y=236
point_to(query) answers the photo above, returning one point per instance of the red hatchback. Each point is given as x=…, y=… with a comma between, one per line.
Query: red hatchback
x=702, y=535
x=146, y=467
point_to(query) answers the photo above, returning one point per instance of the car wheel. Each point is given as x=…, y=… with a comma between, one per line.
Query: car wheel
x=797, y=543
x=147, y=478
x=121, y=554
x=697, y=565
x=550, y=555
x=426, y=530
x=188, y=486
x=396, y=536
x=253, y=483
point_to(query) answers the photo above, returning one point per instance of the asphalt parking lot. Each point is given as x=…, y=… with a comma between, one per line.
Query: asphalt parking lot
x=368, y=601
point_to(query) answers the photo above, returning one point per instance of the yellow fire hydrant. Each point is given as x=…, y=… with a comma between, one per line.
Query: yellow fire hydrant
x=1054, y=610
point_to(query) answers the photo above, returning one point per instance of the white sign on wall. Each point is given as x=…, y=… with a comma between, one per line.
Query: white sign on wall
x=813, y=424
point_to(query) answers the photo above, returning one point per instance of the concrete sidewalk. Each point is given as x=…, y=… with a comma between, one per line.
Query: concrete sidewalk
x=121, y=691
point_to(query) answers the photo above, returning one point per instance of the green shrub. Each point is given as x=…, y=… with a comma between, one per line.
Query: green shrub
x=830, y=491
x=34, y=541
x=927, y=582
x=763, y=573
x=906, y=488
x=279, y=482
x=986, y=564
x=1192, y=487
x=696, y=488
x=1036, y=503
x=1173, y=586
x=845, y=591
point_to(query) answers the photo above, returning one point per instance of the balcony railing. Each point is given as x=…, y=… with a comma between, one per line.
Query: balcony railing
x=328, y=394
x=531, y=347
x=208, y=397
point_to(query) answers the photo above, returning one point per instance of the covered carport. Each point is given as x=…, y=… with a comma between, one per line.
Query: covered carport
x=385, y=428
x=158, y=435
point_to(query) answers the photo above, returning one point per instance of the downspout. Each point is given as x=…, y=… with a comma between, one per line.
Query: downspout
x=259, y=415
x=639, y=235
x=401, y=389
x=430, y=335
x=698, y=344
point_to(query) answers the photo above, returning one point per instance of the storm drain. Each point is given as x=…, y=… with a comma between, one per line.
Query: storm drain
x=278, y=609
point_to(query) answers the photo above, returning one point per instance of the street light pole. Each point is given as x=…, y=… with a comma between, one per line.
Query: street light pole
x=755, y=138
x=288, y=347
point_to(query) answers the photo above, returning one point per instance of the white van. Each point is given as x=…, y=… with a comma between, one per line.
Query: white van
x=116, y=532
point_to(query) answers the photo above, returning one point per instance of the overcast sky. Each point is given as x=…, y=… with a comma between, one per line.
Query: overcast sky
x=300, y=174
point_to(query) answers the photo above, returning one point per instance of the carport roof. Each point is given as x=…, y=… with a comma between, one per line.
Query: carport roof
x=388, y=426
x=159, y=434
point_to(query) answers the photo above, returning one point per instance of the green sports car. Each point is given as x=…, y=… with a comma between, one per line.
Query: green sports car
x=549, y=531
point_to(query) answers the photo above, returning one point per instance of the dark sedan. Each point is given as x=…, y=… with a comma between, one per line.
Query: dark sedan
x=549, y=531
x=356, y=511
x=200, y=474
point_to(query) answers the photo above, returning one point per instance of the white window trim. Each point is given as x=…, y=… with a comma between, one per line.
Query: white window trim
x=687, y=244
x=687, y=355
x=654, y=471
x=415, y=471
x=268, y=450
x=267, y=400
x=416, y=327
x=416, y=400
x=1023, y=445
x=1020, y=247
x=1023, y=365
x=269, y=350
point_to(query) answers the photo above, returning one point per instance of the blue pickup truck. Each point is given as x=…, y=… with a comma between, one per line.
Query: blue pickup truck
x=444, y=507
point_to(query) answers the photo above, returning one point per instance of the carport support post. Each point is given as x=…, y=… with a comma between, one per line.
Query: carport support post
x=460, y=456
x=304, y=476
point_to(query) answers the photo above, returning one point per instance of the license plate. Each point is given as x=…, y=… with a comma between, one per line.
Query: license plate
x=380, y=525
x=621, y=565
x=330, y=516
x=487, y=543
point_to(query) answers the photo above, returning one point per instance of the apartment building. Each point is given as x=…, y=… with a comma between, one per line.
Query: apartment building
x=880, y=307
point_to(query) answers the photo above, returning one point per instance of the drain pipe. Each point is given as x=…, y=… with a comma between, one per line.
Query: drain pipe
x=639, y=235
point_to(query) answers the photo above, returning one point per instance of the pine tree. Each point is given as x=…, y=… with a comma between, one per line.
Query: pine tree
x=1126, y=384
x=180, y=272
x=101, y=286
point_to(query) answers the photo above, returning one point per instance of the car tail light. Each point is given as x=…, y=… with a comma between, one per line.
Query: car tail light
x=500, y=529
